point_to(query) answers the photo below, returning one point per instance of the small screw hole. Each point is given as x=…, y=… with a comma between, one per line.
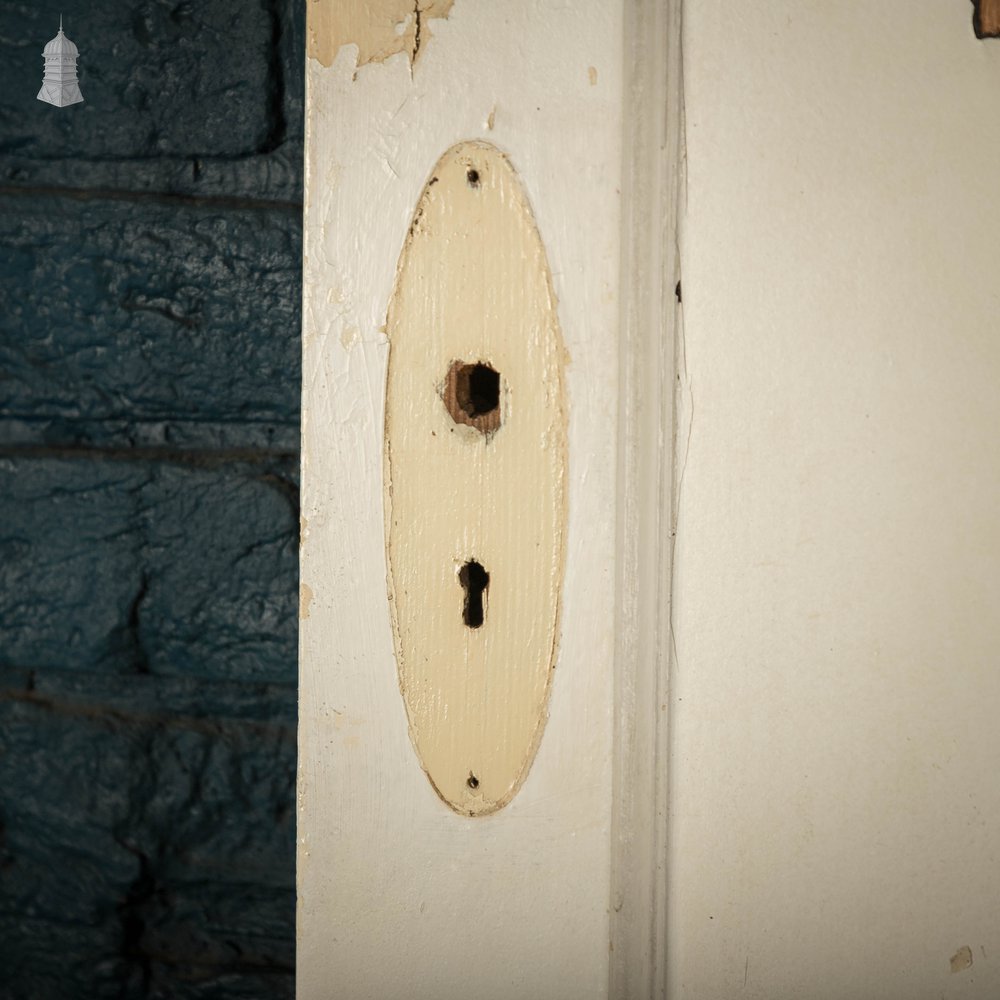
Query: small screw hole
x=472, y=176
x=472, y=781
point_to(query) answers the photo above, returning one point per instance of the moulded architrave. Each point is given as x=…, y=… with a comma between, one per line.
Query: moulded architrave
x=654, y=413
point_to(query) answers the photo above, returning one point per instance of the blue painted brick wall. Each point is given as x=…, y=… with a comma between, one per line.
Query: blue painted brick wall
x=150, y=245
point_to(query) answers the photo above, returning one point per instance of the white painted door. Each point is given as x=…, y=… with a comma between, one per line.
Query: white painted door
x=835, y=724
x=768, y=767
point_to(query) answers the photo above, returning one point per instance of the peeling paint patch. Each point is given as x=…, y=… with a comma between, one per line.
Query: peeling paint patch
x=349, y=337
x=305, y=600
x=962, y=959
x=379, y=28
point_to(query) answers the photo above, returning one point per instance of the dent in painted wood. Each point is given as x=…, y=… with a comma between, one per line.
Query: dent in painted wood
x=475, y=473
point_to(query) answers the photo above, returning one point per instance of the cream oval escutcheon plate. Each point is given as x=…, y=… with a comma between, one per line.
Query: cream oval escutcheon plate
x=475, y=479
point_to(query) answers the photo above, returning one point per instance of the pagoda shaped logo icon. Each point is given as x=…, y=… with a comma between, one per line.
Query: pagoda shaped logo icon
x=59, y=85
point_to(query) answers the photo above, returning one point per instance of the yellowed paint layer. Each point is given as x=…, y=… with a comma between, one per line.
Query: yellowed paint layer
x=305, y=599
x=962, y=959
x=473, y=289
x=379, y=28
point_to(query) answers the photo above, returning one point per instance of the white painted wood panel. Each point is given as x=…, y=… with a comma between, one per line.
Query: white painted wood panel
x=836, y=696
x=399, y=896
x=824, y=437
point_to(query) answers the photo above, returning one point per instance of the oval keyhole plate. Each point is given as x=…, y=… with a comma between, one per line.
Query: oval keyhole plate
x=475, y=478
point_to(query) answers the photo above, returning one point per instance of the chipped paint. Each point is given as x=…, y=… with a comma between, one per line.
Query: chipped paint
x=962, y=959
x=305, y=600
x=349, y=336
x=473, y=290
x=379, y=28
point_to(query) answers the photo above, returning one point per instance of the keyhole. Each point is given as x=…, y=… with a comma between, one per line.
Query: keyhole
x=475, y=581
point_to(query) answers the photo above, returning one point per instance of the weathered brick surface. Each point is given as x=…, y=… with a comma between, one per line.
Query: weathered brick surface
x=149, y=318
x=67, y=571
x=126, y=322
x=147, y=721
x=127, y=567
x=199, y=98
x=143, y=850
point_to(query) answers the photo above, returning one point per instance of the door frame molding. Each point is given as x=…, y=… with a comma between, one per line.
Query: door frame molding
x=652, y=407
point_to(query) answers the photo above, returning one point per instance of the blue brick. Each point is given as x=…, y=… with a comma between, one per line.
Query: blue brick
x=141, y=847
x=193, y=98
x=136, y=568
x=52, y=960
x=70, y=560
x=126, y=324
x=235, y=615
x=150, y=245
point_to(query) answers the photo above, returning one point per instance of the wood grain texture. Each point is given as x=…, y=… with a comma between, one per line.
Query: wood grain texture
x=655, y=412
x=473, y=288
x=986, y=18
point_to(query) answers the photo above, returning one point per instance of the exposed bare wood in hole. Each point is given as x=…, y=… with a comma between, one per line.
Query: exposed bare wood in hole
x=986, y=18
x=472, y=396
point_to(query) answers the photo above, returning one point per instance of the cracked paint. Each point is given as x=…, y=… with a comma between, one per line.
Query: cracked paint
x=379, y=28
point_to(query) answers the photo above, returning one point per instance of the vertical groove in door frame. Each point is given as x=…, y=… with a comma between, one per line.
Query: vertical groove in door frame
x=652, y=180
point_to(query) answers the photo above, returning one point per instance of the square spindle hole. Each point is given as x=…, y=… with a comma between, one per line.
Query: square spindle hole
x=472, y=395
